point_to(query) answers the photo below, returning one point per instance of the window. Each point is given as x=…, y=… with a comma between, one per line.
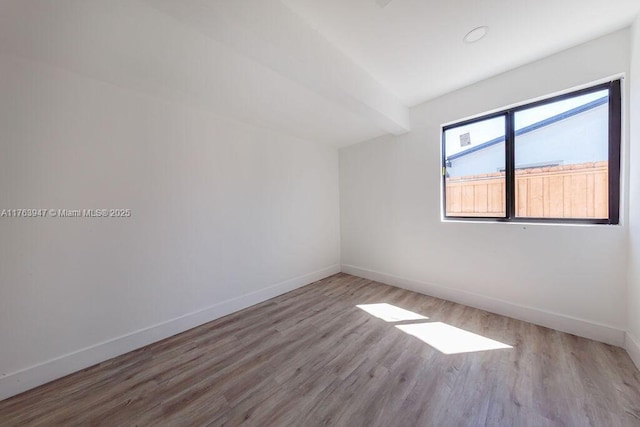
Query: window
x=555, y=160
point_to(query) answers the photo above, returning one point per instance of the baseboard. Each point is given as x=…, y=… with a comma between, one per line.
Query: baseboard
x=25, y=379
x=560, y=322
x=632, y=345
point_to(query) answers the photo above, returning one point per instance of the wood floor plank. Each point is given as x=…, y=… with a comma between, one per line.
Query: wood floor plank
x=312, y=357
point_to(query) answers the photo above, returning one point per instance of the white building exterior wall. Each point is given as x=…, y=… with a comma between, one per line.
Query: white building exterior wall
x=577, y=139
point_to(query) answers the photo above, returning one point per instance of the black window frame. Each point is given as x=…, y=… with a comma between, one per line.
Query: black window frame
x=614, y=152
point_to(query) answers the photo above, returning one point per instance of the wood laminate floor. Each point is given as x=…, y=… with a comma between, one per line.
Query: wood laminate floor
x=312, y=357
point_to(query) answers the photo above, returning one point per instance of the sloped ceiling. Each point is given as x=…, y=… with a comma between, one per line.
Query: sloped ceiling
x=331, y=71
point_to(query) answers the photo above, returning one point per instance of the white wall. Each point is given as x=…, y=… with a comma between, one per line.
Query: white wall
x=633, y=337
x=572, y=278
x=224, y=215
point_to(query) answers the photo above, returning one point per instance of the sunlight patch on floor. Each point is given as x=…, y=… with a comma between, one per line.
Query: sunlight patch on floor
x=390, y=313
x=451, y=340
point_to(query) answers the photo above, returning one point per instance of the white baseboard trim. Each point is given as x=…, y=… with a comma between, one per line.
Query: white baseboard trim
x=26, y=379
x=560, y=322
x=632, y=345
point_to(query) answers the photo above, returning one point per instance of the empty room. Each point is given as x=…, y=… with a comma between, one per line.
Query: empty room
x=319, y=212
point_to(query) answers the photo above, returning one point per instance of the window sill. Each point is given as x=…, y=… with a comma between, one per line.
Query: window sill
x=525, y=223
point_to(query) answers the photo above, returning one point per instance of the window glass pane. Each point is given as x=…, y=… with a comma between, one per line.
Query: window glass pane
x=475, y=169
x=561, y=158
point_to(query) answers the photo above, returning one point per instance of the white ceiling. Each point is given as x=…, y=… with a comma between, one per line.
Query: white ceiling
x=415, y=49
x=333, y=71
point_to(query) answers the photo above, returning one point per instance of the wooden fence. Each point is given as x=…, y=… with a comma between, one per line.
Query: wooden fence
x=571, y=191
